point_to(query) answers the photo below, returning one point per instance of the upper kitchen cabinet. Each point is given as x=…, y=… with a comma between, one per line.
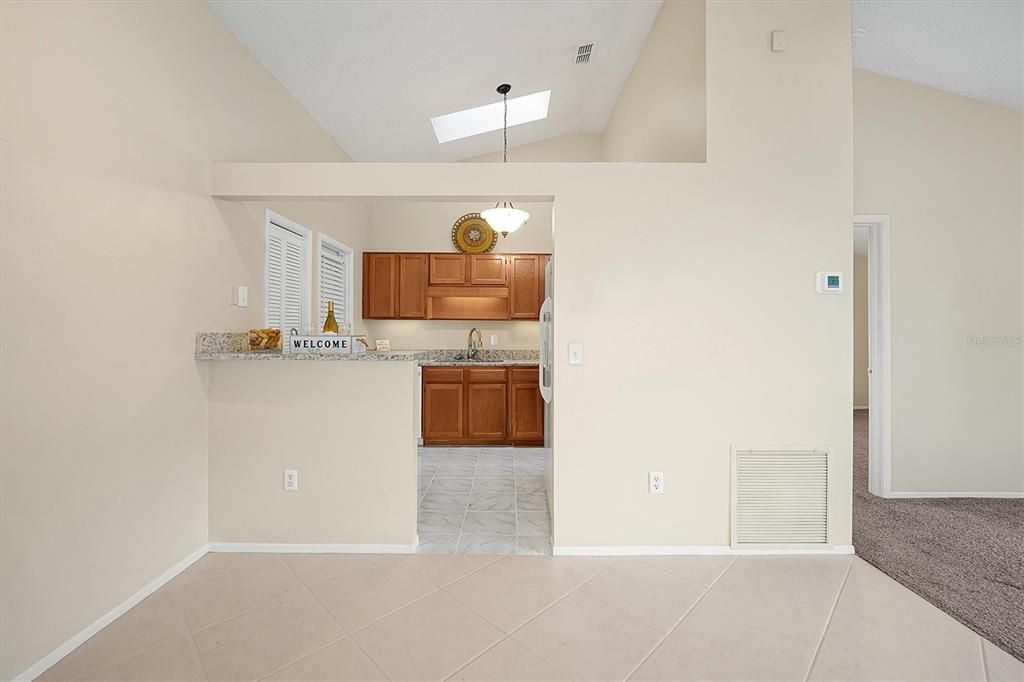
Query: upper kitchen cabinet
x=448, y=269
x=453, y=286
x=487, y=269
x=412, y=285
x=379, y=284
x=526, y=294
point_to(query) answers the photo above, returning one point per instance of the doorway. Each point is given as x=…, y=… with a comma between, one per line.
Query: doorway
x=484, y=431
x=872, y=401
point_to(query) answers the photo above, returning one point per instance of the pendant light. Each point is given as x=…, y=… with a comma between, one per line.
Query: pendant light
x=504, y=217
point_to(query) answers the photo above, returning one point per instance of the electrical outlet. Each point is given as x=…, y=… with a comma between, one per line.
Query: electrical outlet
x=494, y=339
x=656, y=482
x=291, y=479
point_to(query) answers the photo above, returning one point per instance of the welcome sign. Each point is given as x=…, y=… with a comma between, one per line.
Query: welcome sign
x=319, y=345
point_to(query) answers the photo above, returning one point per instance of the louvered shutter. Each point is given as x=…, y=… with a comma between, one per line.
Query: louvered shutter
x=286, y=278
x=334, y=265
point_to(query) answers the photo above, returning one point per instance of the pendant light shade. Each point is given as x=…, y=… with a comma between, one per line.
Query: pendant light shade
x=504, y=217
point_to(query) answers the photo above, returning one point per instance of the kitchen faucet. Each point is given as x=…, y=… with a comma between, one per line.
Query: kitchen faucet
x=474, y=343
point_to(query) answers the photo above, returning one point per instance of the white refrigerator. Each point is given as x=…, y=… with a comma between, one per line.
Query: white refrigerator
x=547, y=342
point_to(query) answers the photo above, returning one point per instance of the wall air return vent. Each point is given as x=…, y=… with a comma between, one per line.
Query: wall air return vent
x=779, y=497
x=583, y=53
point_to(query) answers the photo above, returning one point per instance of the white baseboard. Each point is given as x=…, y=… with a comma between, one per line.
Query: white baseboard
x=1010, y=496
x=694, y=550
x=50, y=659
x=314, y=548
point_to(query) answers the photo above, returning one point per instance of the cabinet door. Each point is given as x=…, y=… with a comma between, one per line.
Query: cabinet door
x=443, y=412
x=412, y=285
x=378, y=285
x=526, y=287
x=486, y=410
x=487, y=269
x=447, y=268
x=526, y=413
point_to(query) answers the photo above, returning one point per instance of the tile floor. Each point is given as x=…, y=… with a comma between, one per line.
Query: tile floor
x=419, y=617
x=483, y=501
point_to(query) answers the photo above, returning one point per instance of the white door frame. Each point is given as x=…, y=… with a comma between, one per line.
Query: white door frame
x=879, y=354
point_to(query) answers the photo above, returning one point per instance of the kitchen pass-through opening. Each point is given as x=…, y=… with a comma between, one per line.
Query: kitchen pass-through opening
x=485, y=394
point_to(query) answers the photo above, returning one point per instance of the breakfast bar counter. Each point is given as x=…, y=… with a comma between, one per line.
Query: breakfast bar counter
x=347, y=423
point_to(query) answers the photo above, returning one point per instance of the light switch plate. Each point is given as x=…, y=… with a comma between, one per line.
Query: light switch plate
x=494, y=339
x=778, y=41
x=575, y=353
x=240, y=296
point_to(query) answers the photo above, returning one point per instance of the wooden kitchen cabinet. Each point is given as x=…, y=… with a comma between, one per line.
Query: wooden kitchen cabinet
x=448, y=268
x=526, y=286
x=525, y=407
x=473, y=405
x=412, y=285
x=443, y=417
x=487, y=269
x=379, y=285
x=486, y=412
x=453, y=286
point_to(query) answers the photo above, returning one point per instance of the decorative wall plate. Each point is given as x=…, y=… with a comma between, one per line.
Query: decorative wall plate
x=472, y=234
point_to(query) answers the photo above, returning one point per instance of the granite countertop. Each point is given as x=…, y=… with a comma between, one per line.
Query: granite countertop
x=479, y=363
x=234, y=346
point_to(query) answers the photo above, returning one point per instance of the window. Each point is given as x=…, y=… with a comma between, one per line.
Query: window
x=287, y=274
x=335, y=280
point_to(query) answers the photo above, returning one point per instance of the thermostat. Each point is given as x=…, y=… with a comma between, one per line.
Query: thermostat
x=830, y=282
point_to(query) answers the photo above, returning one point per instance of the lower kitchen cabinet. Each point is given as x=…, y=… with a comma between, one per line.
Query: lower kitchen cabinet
x=473, y=405
x=525, y=407
x=443, y=416
x=486, y=412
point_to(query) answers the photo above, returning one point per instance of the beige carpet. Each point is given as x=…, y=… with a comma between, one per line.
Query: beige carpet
x=965, y=555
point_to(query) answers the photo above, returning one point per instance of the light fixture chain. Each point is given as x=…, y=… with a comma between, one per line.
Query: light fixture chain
x=504, y=127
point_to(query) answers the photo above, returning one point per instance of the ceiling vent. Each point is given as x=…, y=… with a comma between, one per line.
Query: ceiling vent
x=779, y=497
x=583, y=53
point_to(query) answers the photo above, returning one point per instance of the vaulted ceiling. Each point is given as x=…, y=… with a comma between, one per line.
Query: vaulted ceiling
x=374, y=73
x=969, y=47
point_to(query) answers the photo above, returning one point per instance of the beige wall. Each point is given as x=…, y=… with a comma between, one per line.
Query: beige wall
x=407, y=225
x=947, y=170
x=348, y=427
x=860, y=331
x=117, y=144
x=426, y=334
x=348, y=222
x=111, y=246
x=660, y=114
x=675, y=398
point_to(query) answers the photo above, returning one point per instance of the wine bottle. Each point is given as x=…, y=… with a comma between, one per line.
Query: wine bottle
x=330, y=324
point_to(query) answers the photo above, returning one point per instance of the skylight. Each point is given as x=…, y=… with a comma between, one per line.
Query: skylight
x=477, y=120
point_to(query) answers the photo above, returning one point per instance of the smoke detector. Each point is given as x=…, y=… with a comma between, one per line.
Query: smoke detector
x=583, y=53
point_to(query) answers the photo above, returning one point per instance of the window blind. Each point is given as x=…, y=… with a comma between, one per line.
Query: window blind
x=334, y=270
x=286, y=278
